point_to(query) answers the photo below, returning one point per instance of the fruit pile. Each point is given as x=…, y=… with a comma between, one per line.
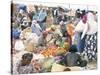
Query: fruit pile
x=53, y=51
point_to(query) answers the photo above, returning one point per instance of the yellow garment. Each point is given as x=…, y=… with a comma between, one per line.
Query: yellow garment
x=70, y=29
x=66, y=46
x=28, y=29
x=24, y=32
x=30, y=47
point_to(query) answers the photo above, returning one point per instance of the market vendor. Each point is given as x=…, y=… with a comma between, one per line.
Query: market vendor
x=62, y=27
x=36, y=28
x=42, y=39
x=42, y=16
x=55, y=31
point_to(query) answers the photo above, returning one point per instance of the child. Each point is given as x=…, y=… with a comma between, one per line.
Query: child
x=24, y=66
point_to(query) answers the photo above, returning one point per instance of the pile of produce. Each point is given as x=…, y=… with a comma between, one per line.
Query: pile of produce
x=53, y=51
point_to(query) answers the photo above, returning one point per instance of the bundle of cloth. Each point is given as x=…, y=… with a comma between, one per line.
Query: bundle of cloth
x=30, y=39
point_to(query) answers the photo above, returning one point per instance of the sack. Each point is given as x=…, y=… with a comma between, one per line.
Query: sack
x=57, y=68
x=47, y=64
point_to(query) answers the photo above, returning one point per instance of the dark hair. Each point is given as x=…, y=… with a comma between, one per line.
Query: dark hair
x=78, y=14
x=83, y=13
x=73, y=48
x=27, y=56
x=65, y=34
x=23, y=27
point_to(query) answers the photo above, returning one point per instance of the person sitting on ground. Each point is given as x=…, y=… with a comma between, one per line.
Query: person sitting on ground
x=36, y=28
x=42, y=39
x=74, y=59
x=67, y=38
x=24, y=66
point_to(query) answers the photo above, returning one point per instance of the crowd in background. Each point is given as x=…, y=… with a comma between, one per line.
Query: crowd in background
x=53, y=34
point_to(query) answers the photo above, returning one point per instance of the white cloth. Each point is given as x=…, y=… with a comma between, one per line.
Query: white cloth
x=32, y=37
x=21, y=11
x=19, y=45
x=34, y=23
x=57, y=31
x=79, y=27
x=89, y=28
x=92, y=24
x=37, y=56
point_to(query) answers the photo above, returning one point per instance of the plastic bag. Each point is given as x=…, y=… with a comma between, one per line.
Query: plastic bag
x=47, y=64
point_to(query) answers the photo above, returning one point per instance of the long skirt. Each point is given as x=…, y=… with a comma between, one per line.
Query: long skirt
x=81, y=44
x=90, y=47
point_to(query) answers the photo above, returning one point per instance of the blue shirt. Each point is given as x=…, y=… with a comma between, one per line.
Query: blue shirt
x=16, y=33
x=42, y=15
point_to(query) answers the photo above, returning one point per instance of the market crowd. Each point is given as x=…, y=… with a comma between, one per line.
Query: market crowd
x=45, y=39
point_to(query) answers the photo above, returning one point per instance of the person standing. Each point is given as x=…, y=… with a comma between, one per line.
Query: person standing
x=90, y=31
x=42, y=18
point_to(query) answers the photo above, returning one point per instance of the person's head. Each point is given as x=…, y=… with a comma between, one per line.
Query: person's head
x=66, y=46
x=34, y=22
x=25, y=23
x=65, y=34
x=53, y=28
x=44, y=34
x=26, y=58
x=21, y=11
x=40, y=7
x=23, y=27
x=84, y=19
x=78, y=10
x=73, y=48
x=83, y=13
x=36, y=7
x=61, y=23
x=78, y=13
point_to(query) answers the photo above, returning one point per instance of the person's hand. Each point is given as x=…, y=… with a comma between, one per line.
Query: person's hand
x=37, y=67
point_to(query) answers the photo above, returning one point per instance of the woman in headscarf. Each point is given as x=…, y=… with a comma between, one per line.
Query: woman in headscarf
x=90, y=31
x=36, y=28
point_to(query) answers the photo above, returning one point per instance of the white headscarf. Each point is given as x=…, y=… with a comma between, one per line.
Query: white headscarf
x=92, y=24
x=91, y=27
